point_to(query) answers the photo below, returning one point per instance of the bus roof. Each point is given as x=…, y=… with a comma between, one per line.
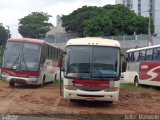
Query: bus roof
x=143, y=48
x=29, y=40
x=93, y=41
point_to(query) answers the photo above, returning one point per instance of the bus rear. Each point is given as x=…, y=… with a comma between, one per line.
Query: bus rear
x=21, y=61
x=92, y=69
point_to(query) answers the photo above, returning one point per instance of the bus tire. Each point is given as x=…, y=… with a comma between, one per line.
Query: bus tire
x=55, y=78
x=136, y=82
x=43, y=81
x=109, y=102
x=11, y=83
x=72, y=100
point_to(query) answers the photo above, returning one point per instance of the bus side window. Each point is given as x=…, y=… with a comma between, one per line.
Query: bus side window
x=47, y=52
x=132, y=57
x=128, y=58
x=149, y=54
x=44, y=54
x=156, y=54
x=142, y=55
x=136, y=54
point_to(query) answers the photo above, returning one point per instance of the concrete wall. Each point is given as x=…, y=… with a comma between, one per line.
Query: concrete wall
x=125, y=44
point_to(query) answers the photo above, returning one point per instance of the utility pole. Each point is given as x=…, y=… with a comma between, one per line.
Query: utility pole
x=150, y=40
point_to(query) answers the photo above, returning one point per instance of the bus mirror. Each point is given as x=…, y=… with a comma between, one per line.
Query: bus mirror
x=64, y=53
x=3, y=47
x=124, y=66
x=60, y=61
x=126, y=59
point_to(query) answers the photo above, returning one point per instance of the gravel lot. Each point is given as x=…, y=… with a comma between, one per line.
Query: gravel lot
x=45, y=101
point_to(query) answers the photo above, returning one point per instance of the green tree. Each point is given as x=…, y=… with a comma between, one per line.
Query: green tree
x=127, y=22
x=108, y=20
x=97, y=26
x=4, y=35
x=34, y=25
x=75, y=21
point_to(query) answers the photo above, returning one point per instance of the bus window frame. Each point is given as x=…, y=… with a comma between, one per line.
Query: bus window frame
x=139, y=57
x=151, y=59
x=156, y=53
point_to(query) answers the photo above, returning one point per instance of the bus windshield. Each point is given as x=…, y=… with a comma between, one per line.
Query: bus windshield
x=92, y=62
x=22, y=56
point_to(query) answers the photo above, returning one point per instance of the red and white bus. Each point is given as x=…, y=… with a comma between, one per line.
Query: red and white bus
x=91, y=69
x=29, y=61
x=143, y=66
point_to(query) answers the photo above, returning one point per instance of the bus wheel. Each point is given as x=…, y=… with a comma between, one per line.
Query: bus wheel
x=109, y=102
x=43, y=81
x=72, y=100
x=55, y=78
x=11, y=83
x=136, y=83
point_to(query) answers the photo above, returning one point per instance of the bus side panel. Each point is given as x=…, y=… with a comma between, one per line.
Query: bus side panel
x=131, y=72
x=149, y=73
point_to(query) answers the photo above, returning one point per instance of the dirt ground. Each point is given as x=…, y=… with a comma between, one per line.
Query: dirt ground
x=45, y=101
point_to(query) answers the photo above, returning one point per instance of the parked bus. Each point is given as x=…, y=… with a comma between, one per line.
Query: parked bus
x=143, y=66
x=29, y=61
x=91, y=69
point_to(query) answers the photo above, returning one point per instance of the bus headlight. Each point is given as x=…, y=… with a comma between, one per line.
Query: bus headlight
x=70, y=87
x=112, y=89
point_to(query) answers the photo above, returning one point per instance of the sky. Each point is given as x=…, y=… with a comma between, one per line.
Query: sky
x=12, y=10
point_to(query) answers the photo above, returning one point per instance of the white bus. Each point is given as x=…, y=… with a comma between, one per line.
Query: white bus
x=29, y=61
x=143, y=66
x=91, y=69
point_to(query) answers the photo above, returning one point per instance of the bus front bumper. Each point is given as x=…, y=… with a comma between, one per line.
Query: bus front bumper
x=91, y=96
x=21, y=80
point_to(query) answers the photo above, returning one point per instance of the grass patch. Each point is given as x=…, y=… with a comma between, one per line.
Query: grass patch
x=140, y=87
x=128, y=86
x=2, y=81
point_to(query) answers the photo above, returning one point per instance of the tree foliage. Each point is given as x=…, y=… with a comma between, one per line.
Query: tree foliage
x=75, y=21
x=97, y=26
x=108, y=20
x=34, y=25
x=4, y=35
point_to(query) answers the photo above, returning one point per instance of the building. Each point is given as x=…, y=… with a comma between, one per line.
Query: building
x=58, y=33
x=146, y=8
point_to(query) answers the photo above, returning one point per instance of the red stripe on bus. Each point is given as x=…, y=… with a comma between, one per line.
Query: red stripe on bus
x=29, y=40
x=92, y=83
x=20, y=73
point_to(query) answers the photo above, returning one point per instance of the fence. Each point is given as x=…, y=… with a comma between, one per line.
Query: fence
x=127, y=41
x=127, y=37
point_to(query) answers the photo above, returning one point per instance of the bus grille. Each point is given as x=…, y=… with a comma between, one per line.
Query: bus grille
x=90, y=95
